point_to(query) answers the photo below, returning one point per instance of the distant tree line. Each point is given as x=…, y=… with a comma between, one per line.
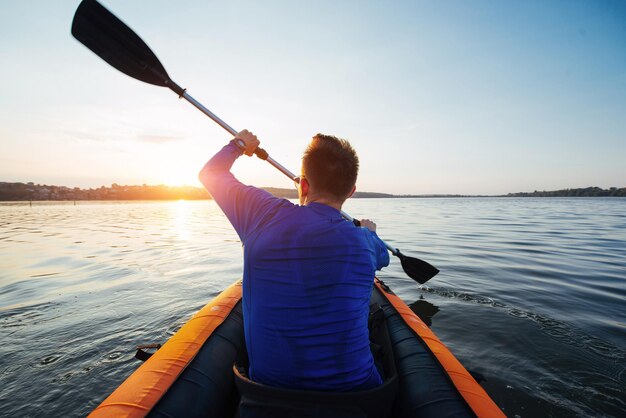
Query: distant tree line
x=31, y=191
x=581, y=192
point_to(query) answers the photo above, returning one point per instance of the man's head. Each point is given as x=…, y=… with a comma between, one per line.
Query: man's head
x=329, y=170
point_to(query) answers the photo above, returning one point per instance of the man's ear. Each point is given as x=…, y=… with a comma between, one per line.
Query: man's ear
x=304, y=186
x=352, y=192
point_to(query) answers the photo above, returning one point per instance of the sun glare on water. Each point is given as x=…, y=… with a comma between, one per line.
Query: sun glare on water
x=181, y=214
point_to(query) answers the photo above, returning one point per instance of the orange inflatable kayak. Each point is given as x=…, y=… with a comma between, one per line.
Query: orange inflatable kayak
x=192, y=374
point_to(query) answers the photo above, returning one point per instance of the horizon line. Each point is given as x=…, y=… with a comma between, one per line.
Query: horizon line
x=358, y=192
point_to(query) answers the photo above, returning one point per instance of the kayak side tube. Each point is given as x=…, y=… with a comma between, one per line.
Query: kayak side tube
x=143, y=389
x=474, y=395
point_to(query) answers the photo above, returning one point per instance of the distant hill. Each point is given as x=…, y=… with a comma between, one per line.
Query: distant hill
x=581, y=192
x=293, y=193
x=31, y=191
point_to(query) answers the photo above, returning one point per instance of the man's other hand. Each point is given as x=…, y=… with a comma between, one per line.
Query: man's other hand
x=366, y=223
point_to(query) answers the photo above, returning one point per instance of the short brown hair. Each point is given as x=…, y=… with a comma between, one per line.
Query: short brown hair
x=331, y=165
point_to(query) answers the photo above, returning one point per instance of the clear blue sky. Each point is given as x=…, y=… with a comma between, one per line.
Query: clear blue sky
x=480, y=97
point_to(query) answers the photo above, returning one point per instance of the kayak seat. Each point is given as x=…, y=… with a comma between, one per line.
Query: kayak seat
x=262, y=401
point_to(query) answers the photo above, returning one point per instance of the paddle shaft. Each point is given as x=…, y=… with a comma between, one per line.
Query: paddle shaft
x=267, y=158
x=233, y=132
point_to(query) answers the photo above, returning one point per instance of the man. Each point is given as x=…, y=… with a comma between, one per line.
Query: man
x=308, y=273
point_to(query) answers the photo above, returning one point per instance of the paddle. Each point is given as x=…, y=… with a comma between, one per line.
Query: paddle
x=113, y=41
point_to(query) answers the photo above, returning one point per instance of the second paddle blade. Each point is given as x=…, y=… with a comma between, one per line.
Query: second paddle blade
x=417, y=269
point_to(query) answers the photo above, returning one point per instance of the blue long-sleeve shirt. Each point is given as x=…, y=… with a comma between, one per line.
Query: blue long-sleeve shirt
x=307, y=281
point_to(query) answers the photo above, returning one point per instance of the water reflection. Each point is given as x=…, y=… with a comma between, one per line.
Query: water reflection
x=424, y=309
x=181, y=211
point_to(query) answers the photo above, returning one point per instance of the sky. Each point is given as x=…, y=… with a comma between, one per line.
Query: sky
x=446, y=97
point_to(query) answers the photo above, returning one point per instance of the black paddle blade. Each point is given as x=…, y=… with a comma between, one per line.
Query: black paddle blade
x=109, y=38
x=417, y=269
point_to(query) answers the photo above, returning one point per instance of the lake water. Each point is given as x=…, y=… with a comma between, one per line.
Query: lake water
x=531, y=294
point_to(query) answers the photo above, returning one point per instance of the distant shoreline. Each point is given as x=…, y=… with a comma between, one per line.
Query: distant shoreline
x=37, y=192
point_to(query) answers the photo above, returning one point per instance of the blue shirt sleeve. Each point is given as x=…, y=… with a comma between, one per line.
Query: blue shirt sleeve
x=244, y=206
x=380, y=249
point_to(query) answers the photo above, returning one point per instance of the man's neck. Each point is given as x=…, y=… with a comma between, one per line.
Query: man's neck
x=320, y=199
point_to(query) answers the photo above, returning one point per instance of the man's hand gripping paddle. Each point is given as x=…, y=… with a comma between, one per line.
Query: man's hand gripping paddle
x=109, y=38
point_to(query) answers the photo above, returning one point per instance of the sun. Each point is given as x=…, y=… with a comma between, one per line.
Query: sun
x=178, y=179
